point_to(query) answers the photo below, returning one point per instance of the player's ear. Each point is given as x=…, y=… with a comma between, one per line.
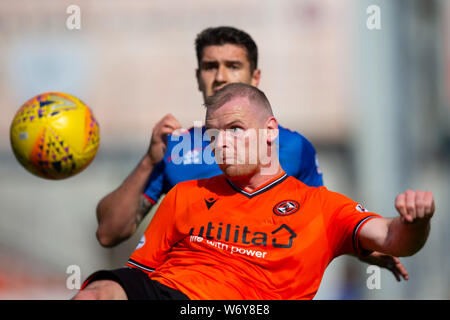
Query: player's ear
x=256, y=76
x=272, y=129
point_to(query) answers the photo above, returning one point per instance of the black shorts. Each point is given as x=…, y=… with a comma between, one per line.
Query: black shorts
x=137, y=284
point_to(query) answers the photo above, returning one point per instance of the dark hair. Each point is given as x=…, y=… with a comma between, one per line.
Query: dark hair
x=223, y=35
x=235, y=90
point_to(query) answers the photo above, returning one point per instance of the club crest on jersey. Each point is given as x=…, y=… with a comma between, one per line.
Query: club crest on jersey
x=286, y=207
x=360, y=208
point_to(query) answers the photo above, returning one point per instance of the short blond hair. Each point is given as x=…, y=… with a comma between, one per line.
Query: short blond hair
x=239, y=90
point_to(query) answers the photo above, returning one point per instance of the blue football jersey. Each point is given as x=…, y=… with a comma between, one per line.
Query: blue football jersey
x=189, y=156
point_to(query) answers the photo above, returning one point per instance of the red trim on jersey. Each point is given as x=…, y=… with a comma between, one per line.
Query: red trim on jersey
x=149, y=199
x=266, y=186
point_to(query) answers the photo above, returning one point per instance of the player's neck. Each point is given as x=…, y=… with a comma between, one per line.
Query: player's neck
x=259, y=178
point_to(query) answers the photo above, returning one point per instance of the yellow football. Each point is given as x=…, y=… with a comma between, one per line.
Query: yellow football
x=54, y=135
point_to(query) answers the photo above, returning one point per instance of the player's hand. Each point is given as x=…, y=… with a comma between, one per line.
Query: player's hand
x=391, y=263
x=158, y=144
x=415, y=206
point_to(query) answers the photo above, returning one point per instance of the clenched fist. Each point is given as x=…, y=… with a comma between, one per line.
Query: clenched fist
x=415, y=206
x=158, y=144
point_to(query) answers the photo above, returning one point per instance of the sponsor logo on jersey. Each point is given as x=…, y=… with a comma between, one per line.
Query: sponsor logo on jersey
x=360, y=208
x=192, y=156
x=281, y=237
x=286, y=207
x=141, y=242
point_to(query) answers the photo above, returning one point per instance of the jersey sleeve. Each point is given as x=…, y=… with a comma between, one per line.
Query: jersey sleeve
x=344, y=218
x=155, y=184
x=159, y=237
x=310, y=173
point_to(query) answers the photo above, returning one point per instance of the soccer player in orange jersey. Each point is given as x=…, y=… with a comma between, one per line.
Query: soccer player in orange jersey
x=224, y=55
x=253, y=232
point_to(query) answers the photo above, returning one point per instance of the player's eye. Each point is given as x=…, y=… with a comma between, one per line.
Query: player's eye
x=209, y=65
x=237, y=130
x=234, y=66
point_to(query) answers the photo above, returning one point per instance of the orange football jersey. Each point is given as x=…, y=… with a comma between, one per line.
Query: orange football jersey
x=212, y=240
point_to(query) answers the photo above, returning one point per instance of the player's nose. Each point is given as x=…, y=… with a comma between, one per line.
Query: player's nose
x=221, y=75
x=223, y=144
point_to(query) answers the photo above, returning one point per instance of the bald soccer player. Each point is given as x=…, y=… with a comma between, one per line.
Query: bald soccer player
x=225, y=55
x=262, y=234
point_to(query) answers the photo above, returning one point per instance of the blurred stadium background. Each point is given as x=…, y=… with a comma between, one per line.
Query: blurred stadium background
x=375, y=103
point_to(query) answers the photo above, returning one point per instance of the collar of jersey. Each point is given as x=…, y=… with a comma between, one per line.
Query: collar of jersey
x=266, y=186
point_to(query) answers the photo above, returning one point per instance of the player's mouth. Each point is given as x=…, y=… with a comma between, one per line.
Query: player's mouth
x=229, y=161
x=223, y=159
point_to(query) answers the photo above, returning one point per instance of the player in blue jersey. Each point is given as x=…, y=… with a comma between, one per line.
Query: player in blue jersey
x=225, y=55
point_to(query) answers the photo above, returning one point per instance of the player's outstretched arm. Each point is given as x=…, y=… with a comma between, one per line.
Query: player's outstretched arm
x=120, y=212
x=404, y=235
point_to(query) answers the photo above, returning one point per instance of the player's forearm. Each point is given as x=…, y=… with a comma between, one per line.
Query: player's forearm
x=119, y=211
x=405, y=239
